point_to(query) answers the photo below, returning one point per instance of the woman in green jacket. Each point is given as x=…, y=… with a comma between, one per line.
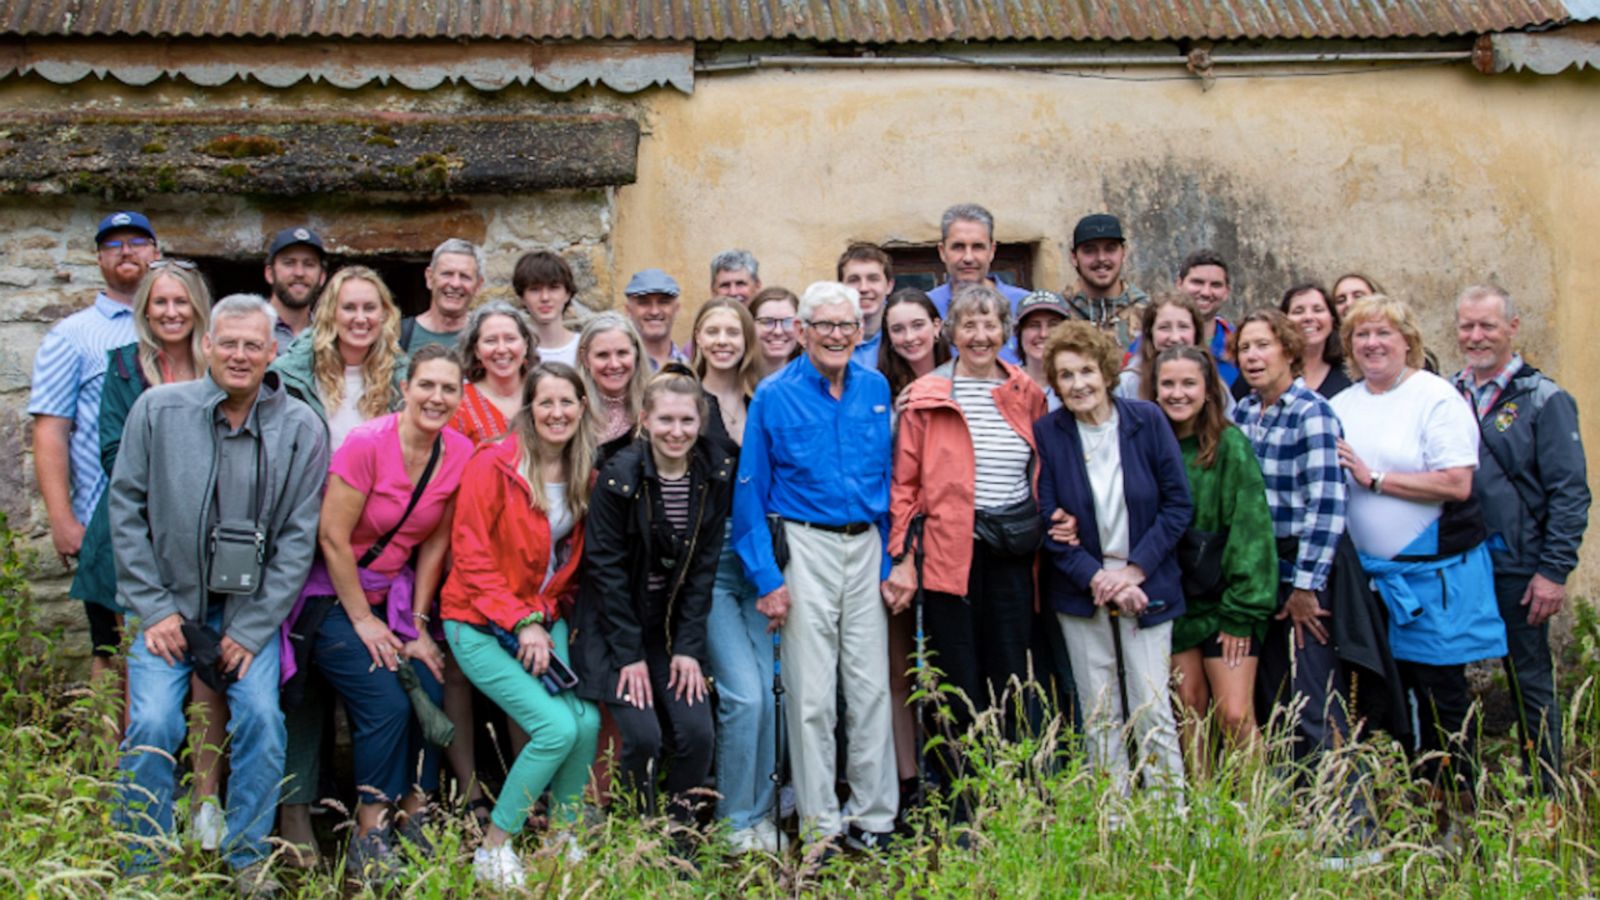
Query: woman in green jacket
x=171, y=310
x=1228, y=557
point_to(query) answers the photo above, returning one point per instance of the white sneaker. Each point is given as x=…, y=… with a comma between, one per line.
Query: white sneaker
x=209, y=825
x=771, y=839
x=746, y=840
x=499, y=866
x=568, y=843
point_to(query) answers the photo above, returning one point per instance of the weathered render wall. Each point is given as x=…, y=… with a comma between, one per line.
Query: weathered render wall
x=1427, y=178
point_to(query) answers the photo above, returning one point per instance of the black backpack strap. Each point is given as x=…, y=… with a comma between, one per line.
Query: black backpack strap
x=408, y=327
x=376, y=550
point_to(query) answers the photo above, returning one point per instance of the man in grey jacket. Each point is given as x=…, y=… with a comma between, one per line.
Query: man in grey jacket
x=1532, y=482
x=230, y=447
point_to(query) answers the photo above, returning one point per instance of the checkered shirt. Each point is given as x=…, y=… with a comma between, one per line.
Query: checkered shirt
x=1295, y=442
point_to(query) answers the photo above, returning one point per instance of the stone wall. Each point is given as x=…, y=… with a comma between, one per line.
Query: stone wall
x=48, y=270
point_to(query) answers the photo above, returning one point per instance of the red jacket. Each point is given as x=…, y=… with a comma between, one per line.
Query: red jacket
x=935, y=471
x=500, y=547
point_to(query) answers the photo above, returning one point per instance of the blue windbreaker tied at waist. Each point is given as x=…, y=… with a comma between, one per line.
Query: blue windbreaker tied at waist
x=1442, y=612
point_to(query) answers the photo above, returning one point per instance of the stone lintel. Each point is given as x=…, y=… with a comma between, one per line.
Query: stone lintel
x=135, y=155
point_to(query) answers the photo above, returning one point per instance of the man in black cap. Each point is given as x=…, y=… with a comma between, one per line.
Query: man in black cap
x=296, y=269
x=1101, y=296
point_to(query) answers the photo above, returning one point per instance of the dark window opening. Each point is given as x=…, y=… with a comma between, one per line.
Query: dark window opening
x=402, y=274
x=921, y=268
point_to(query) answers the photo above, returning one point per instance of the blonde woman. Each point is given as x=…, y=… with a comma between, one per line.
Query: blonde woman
x=349, y=368
x=610, y=357
x=171, y=311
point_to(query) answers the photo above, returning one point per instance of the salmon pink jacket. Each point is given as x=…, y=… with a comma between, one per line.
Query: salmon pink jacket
x=500, y=548
x=935, y=470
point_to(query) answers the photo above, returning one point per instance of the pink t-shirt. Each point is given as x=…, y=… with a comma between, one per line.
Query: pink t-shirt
x=370, y=460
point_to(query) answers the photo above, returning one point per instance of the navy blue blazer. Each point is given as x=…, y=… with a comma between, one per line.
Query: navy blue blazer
x=1159, y=509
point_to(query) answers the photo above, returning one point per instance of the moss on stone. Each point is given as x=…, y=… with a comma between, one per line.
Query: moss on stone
x=242, y=146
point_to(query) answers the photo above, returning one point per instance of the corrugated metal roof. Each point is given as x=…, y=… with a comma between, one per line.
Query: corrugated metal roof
x=850, y=21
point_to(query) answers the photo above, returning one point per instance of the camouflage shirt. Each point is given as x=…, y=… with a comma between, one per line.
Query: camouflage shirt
x=1118, y=315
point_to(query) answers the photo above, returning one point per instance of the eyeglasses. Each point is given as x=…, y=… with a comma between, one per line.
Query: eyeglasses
x=188, y=265
x=770, y=323
x=843, y=329
x=130, y=243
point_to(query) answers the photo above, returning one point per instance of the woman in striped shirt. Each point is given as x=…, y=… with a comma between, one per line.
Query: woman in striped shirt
x=964, y=457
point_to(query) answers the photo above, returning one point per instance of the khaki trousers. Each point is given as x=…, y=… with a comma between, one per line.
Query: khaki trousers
x=836, y=640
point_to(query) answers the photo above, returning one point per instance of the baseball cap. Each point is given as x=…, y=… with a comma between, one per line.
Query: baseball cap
x=1043, y=301
x=288, y=237
x=651, y=281
x=1097, y=227
x=126, y=219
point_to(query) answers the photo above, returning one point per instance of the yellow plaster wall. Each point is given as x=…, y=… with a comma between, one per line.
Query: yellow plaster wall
x=1427, y=178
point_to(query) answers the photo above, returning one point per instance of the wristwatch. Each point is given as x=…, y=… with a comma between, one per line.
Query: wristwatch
x=1375, y=483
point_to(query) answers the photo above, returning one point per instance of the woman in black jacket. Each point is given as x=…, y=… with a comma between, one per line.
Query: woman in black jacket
x=653, y=535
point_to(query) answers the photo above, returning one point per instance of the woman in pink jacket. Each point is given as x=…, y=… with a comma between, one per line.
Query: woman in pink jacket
x=964, y=465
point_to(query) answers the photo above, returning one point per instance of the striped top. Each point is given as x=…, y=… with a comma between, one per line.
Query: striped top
x=68, y=375
x=675, y=506
x=1001, y=455
x=477, y=417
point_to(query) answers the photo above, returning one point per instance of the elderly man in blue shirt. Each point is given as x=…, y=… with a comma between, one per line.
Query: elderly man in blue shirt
x=816, y=456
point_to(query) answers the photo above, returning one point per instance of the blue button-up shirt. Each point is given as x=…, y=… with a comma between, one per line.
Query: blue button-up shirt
x=941, y=301
x=68, y=376
x=809, y=457
x=866, y=352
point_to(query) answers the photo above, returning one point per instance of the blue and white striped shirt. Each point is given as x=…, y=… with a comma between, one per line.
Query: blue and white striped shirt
x=68, y=376
x=1296, y=442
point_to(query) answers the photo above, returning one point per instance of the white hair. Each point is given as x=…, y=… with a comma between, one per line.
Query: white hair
x=237, y=306
x=462, y=247
x=828, y=293
x=1484, y=291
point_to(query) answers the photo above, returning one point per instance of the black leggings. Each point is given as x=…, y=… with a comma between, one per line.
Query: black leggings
x=1441, y=700
x=682, y=729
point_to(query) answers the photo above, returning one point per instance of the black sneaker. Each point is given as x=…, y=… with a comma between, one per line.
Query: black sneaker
x=371, y=862
x=860, y=839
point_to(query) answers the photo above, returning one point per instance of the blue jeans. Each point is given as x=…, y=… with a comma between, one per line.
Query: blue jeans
x=156, y=729
x=390, y=754
x=741, y=663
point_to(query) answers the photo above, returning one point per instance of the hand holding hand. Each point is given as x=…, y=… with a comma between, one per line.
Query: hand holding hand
x=1064, y=527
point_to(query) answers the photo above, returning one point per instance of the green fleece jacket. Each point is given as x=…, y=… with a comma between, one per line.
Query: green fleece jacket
x=1231, y=495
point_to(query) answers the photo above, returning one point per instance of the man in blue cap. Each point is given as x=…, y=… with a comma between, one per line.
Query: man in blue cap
x=68, y=375
x=296, y=271
x=653, y=305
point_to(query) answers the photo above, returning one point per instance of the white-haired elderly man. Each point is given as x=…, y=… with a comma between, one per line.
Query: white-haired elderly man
x=214, y=507
x=454, y=276
x=817, y=452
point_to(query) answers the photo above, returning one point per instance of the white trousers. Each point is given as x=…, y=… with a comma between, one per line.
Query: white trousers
x=1147, y=655
x=837, y=636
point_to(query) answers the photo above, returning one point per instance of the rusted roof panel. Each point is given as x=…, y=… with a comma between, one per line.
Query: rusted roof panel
x=847, y=21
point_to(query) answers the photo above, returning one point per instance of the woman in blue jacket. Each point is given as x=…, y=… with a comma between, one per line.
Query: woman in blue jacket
x=1115, y=465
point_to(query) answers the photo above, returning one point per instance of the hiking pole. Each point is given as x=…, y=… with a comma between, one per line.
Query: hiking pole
x=914, y=535
x=1129, y=745
x=777, y=734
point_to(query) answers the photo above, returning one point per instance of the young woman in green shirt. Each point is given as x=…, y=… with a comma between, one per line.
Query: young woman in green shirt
x=1228, y=556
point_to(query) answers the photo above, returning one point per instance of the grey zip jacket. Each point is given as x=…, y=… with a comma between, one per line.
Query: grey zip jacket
x=161, y=492
x=1532, y=478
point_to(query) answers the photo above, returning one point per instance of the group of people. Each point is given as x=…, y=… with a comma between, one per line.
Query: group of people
x=615, y=539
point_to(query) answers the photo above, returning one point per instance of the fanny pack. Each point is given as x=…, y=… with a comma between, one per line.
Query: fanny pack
x=1014, y=530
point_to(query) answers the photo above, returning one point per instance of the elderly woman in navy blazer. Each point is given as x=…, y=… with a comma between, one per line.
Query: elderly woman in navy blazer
x=1112, y=484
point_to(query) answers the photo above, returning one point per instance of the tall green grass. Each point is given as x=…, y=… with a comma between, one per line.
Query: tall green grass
x=1042, y=824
